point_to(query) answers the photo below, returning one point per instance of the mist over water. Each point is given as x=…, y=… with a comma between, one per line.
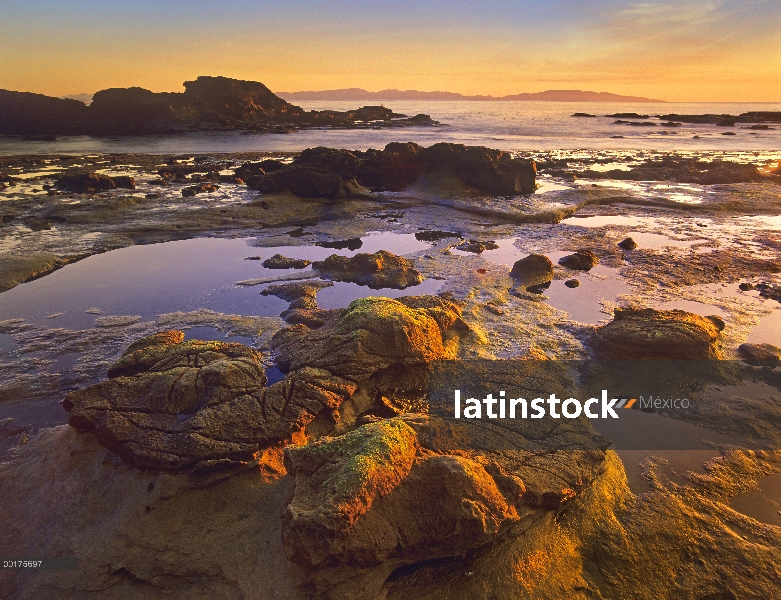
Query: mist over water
x=522, y=126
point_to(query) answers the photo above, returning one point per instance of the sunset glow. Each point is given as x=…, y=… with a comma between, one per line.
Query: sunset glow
x=719, y=50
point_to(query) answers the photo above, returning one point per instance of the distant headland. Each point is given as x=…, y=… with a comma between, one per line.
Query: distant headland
x=393, y=94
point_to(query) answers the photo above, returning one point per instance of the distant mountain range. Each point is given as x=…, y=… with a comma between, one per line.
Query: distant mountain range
x=549, y=95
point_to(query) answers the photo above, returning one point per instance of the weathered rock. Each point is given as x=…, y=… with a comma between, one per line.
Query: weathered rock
x=582, y=260
x=684, y=170
x=760, y=351
x=19, y=269
x=657, y=334
x=180, y=405
x=532, y=270
x=379, y=270
x=627, y=244
x=355, y=494
x=572, y=283
x=370, y=335
x=200, y=188
x=283, y=262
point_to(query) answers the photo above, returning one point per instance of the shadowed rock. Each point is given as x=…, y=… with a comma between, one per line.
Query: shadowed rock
x=200, y=188
x=657, y=334
x=87, y=181
x=582, y=260
x=627, y=244
x=379, y=270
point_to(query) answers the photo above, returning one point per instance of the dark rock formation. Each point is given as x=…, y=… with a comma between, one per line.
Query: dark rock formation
x=727, y=120
x=379, y=270
x=629, y=115
x=572, y=283
x=760, y=351
x=627, y=244
x=331, y=173
x=582, y=260
x=208, y=103
x=283, y=262
x=23, y=113
x=684, y=170
x=83, y=182
x=535, y=269
x=177, y=405
x=657, y=334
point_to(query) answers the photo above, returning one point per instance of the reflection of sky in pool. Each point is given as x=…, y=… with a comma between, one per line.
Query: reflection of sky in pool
x=181, y=276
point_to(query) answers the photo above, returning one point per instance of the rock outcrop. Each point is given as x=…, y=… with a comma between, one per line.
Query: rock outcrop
x=657, y=334
x=177, y=405
x=208, y=103
x=330, y=173
x=379, y=270
x=760, y=352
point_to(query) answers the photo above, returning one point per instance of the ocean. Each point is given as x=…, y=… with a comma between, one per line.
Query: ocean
x=515, y=126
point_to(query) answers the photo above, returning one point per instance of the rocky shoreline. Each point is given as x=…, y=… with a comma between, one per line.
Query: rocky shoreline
x=330, y=479
x=207, y=104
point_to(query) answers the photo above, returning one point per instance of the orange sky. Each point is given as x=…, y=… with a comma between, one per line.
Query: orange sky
x=678, y=51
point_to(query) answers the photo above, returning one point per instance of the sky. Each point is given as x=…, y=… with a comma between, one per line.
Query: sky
x=677, y=50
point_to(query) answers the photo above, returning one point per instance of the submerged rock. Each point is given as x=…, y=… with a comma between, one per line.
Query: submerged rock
x=476, y=246
x=533, y=270
x=572, y=283
x=379, y=270
x=657, y=334
x=582, y=260
x=283, y=262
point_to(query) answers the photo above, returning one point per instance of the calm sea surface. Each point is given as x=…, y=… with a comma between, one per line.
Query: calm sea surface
x=532, y=126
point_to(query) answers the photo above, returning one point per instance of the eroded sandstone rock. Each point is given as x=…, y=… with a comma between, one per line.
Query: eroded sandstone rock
x=356, y=495
x=661, y=334
x=176, y=405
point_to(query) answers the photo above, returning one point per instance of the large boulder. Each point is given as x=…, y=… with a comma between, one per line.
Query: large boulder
x=372, y=334
x=391, y=169
x=657, y=334
x=377, y=497
x=178, y=405
x=379, y=270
